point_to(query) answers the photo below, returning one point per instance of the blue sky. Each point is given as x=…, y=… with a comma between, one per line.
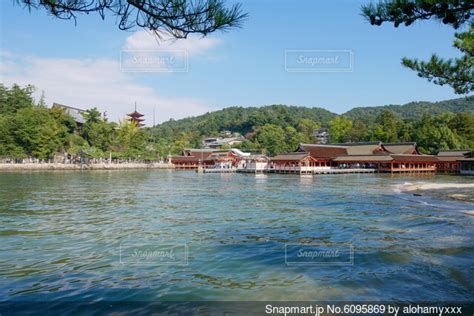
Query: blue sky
x=80, y=65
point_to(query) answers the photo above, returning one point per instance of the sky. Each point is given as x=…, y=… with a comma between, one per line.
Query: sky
x=314, y=53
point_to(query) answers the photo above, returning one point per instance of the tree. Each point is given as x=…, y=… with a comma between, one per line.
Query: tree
x=177, y=17
x=247, y=146
x=433, y=134
x=8, y=147
x=457, y=72
x=97, y=131
x=405, y=131
x=294, y=138
x=463, y=125
x=133, y=142
x=36, y=131
x=271, y=139
x=42, y=100
x=452, y=12
x=385, y=128
x=15, y=98
x=307, y=128
x=77, y=145
x=339, y=129
x=358, y=131
x=25, y=128
x=92, y=116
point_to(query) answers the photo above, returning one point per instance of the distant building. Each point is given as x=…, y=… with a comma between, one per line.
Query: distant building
x=228, y=134
x=322, y=135
x=467, y=166
x=391, y=157
x=297, y=162
x=217, y=142
x=207, y=158
x=253, y=164
x=462, y=153
x=363, y=157
x=77, y=114
x=451, y=160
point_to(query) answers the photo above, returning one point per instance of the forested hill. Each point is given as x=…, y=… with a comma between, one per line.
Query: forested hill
x=31, y=129
x=243, y=120
x=414, y=110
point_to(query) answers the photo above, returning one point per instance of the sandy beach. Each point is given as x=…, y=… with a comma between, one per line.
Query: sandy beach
x=453, y=191
x=435, y=186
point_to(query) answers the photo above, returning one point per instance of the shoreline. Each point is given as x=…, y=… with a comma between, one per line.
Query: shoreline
x=462, y=192
x=92, y=166
x=437, y=186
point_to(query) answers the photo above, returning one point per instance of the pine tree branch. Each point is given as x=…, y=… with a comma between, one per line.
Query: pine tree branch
x=177, y=17
x=453, y=12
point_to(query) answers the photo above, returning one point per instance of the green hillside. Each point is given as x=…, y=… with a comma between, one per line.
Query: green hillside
x=279, y=128
x=30, y=129
x=414, y=110
x=244, y=120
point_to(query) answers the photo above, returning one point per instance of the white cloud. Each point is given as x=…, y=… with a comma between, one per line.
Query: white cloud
x=193, y=45
x=87, y=83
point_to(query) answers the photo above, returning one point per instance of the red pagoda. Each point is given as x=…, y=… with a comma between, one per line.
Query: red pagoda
x=136, y=117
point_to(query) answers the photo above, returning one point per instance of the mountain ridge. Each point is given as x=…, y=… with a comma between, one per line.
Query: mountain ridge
x=416, y=109
x=244, y=119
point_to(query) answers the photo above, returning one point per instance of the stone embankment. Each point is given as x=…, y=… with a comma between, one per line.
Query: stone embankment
x=84, y=166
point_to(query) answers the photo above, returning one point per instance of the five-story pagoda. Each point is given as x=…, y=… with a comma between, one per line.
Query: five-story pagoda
x=136, y=117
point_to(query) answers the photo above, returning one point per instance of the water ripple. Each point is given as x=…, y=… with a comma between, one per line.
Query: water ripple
x=62, y=234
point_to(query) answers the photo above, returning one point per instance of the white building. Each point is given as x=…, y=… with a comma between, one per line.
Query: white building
x=253, y=164
x=217, y=142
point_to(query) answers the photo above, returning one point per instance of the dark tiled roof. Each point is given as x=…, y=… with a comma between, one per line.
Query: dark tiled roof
x=359, y=144
x=219, y=155
x=135, y=114
x=344, y=149
x=401, y=148
x=184, y=159
x=455, y=153
x=401, y=143
x=365, y=149
x=448, y=158
x=291, y=156
x=323, y=151
x=415, y=158
x=72, y=111
x=58, y=105
x=467, y=159
x=199, y=153
x=256, y=157
x=363, y=158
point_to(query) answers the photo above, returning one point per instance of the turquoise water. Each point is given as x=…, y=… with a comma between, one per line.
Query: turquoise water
x=64, y=236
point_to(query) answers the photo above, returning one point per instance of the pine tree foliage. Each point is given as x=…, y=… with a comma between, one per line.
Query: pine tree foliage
x=176, y=17
x=451, y=12
x=456, y=72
